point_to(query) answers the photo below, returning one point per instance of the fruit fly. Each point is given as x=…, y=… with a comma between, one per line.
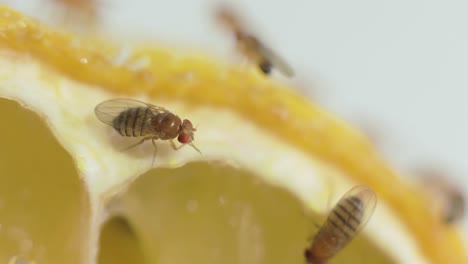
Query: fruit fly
x=133, y=118
x=448, y=196
x=344, y=222
x=250, y=46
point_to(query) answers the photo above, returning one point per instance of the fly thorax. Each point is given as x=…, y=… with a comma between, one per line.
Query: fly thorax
x=166, y=125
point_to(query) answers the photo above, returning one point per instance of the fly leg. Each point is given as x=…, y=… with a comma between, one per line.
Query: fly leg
x=143, y=140
x=179, y=147
x=174, y=147
x=307, y=215
x=154, y=153
x=138, y=143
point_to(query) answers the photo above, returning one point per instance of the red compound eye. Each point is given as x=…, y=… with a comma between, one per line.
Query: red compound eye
x=183, y=138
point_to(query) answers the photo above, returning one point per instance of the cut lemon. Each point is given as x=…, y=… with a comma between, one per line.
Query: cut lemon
x=69, y=194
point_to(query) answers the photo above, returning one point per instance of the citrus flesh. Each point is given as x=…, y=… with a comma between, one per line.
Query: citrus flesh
x=252, y=124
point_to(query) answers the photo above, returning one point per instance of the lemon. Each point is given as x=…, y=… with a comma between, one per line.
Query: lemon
x=69, y=194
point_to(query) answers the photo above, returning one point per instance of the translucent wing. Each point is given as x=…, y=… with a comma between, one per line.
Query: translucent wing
x=363, y=198
x=276, y=60
x=343, y=223
x=108, y=110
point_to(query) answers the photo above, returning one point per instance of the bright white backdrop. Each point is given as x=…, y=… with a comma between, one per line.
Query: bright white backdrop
x=398, y=65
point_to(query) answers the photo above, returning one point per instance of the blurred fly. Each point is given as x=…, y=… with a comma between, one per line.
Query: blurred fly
x=133, y=118
x=344, y=222
x=447, y=196
x=250, y=46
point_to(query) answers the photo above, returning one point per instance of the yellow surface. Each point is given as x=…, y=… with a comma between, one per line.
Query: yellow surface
x=44, y=209
x=119, y=244
x=264, y=102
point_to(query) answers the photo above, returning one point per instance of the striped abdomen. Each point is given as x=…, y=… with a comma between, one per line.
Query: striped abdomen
x=134, y=122
x=345, y=218
x=342, y=224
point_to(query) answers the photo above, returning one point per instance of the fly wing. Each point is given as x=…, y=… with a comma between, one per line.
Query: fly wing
x=362, y=200
x=108, y=110
x=346, y=220
x=276, y=60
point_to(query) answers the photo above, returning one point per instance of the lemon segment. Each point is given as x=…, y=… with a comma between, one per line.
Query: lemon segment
x=45, y=211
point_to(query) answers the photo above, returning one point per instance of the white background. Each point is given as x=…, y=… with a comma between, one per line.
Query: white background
x=400, y=67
